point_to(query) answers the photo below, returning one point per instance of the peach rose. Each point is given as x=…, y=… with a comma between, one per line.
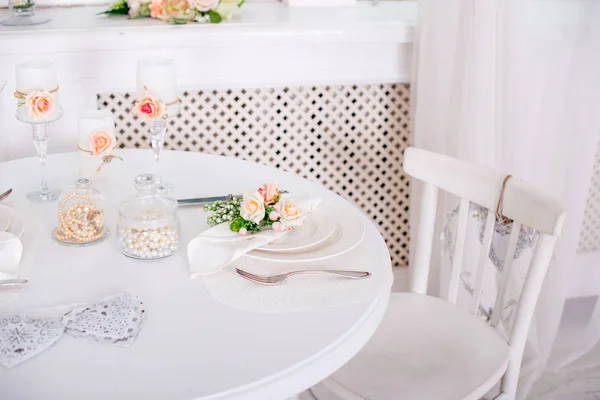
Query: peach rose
x=269, y=191
x=253, y=207
x=39, y=103
x=101, y=143
x=204, y=5
x=289, y=213
x=157, y=8
x=150, y=107
x=178, y=9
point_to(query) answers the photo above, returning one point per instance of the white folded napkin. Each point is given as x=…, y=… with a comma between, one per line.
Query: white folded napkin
x=11, y=250
x=218, y=246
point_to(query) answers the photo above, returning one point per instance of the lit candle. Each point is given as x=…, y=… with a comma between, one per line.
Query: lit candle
x=37, y=75
x=91, y=123
x=158, y=75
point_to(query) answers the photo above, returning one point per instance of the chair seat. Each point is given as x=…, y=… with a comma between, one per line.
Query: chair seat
x=426, y=349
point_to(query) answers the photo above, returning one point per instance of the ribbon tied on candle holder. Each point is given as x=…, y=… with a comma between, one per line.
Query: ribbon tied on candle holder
x=105, y=159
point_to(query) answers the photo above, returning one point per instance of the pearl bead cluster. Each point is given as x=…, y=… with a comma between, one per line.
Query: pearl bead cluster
x=149, y=243
x=81, y=222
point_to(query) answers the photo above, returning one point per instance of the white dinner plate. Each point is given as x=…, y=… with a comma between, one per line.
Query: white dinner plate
x=4, y=221
x=348, y=233
x=317, y=228
x=16, y=220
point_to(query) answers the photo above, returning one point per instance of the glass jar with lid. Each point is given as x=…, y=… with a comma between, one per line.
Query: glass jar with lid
x=148, y=226
x=81, y=215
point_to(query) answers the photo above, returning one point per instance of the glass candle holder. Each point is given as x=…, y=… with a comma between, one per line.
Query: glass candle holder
x=81, y=215
x=23, y=13
x=148, y=225
x=38, y=105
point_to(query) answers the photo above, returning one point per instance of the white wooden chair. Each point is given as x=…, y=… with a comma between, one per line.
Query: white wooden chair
x=427, y=348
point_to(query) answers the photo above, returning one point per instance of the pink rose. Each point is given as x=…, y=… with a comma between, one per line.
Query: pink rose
x=101, y=143
x=150, y=107
x=39, y=103
x=269, y=191
x=157, y=8
x=204, y=5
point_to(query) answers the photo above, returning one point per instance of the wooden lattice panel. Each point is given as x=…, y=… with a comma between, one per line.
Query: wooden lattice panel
x=349, y=138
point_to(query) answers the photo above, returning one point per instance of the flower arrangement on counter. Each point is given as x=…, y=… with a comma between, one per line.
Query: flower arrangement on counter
x=178, y=11
x=267, y=207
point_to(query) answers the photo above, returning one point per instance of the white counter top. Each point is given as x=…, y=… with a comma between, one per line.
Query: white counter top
x=259, y=23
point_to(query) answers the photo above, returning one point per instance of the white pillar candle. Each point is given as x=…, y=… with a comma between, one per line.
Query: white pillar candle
x=158, y=75
x=90, y=122
x=37, y=75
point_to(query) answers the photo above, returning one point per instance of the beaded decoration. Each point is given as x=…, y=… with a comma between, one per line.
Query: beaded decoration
x=81, y=222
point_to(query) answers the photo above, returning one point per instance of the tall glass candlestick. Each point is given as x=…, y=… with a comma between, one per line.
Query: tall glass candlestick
x=158, y=128
x=157, y=77
x=37, y=105
x=40, y=141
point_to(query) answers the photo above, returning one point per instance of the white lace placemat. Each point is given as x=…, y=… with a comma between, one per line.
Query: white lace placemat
x=298, y=292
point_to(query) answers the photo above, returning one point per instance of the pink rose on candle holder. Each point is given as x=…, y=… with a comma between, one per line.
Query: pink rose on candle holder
x=39, y=103
x=150, y=107
x=204, y=5
x=101, y=143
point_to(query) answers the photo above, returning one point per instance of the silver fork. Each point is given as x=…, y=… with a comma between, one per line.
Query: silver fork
x=277, y=279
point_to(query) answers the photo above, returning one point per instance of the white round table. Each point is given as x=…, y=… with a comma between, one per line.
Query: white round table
x=191, y=346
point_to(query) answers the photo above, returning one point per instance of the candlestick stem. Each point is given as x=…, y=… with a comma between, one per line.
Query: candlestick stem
x=158, y=129
x=40, y=141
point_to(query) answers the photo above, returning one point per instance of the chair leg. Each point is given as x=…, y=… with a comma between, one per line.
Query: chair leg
x=339, y=390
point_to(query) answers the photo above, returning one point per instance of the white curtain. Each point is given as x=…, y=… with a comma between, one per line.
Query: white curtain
x=515, y=84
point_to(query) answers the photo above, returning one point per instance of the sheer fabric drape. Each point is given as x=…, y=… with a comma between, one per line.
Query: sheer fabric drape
x=515, y=84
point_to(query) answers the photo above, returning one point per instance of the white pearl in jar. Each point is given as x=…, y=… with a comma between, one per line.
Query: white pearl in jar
x=150, y=243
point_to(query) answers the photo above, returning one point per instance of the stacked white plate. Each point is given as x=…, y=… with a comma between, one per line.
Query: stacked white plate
x=10, y=221
x=326, y=233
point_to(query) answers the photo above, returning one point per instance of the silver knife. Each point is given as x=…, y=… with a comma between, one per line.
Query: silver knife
x=13, y=281
x=204, y=200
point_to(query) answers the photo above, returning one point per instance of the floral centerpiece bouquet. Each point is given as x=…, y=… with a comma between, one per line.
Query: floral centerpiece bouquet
x=266, y=208
x=178, y=11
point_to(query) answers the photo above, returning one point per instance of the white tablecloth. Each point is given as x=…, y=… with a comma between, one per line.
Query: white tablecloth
x=192, y=345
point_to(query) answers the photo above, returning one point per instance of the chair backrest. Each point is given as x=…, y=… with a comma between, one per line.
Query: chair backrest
x=521, y=202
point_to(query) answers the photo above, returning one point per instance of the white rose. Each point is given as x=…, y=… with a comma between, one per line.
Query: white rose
x=227, y=11
x=134, y=7
x=253, y=207
x=289, y=213
x=203, y=5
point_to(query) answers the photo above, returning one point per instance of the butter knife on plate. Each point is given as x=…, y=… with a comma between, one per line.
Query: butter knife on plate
x=204, y=200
